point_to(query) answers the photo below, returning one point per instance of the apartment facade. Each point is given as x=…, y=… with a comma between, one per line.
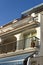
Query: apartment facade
x=22, y=37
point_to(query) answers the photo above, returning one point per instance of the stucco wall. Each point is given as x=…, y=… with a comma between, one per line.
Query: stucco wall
x=41, y=47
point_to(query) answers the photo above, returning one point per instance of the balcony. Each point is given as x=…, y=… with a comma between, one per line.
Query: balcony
x=19, y=26
x=26, y=45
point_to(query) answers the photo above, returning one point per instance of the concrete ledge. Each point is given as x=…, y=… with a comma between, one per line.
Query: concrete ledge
x=18, y=52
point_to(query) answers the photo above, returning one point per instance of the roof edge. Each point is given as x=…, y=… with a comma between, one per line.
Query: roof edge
x=31, y=9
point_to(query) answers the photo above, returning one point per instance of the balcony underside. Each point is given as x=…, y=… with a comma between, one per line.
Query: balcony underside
x=18, y=52
x=22, y=28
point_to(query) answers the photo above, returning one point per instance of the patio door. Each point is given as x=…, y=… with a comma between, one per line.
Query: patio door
x=28, y=38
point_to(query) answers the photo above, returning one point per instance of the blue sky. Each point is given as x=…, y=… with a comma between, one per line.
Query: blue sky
x=11, y=9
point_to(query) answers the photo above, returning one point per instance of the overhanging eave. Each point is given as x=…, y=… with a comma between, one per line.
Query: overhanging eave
x=22, y=28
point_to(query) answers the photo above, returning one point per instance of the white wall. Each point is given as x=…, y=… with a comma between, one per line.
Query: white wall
x=38, y=32
x=41, y=48
x=38, y=28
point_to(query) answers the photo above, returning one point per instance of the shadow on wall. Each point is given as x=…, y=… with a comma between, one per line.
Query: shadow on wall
x=8, y=44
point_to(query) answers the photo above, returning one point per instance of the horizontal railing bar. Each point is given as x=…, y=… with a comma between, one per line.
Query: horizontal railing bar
x=20, y=40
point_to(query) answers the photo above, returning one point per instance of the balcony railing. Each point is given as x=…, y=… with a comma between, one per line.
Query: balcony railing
x=23, y=44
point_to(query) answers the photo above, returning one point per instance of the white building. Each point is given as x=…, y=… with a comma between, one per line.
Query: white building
x=23, y=35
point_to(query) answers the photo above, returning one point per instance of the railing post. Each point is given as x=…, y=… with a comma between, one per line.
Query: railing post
x=6, y=48
x=13, y=46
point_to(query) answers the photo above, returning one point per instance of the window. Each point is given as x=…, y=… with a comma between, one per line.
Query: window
x=28, y=38
x=27, y=41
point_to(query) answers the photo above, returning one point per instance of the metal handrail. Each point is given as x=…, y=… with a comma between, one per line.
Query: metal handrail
x=21, y=40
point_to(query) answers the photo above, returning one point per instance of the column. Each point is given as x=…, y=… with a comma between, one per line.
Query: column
x=40, y=17
x=20, y=41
